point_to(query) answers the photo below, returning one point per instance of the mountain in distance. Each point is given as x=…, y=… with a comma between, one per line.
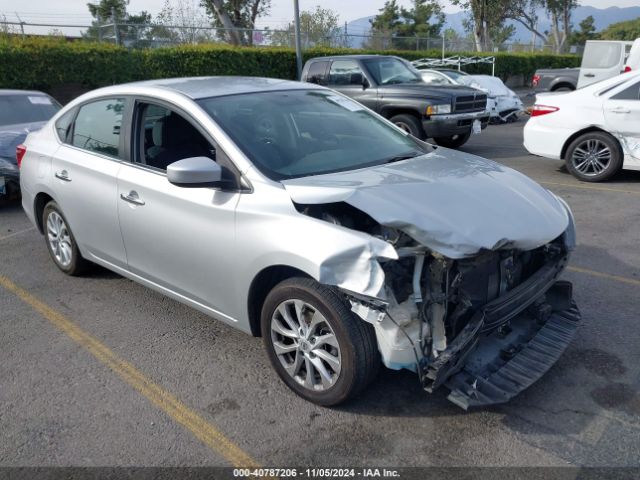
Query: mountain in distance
x=603, y=18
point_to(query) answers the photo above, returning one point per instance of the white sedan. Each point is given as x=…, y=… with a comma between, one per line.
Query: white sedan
x=595, y=129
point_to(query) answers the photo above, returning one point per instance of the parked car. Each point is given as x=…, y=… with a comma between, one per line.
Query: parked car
x=391, y=87
x=290, y=211
x=595, y=130
x=601, y=59
x=503, y=104
x=20, y=113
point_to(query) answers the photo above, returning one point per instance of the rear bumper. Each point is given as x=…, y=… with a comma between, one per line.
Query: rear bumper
x=544, y=140
x=453, y=124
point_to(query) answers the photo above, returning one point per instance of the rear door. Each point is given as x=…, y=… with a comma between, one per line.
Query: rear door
x=601, y=60
x=84, y=177
x=622, y=116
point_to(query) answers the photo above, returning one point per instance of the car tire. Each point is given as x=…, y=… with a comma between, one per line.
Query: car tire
x=305, y=324
x=60, y=241
x=582, y=163
x=409, y=124
x=454, y=141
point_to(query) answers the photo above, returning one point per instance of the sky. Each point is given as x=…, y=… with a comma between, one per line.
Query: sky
x=76, y=12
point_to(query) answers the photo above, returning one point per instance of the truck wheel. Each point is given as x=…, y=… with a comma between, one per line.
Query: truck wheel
x=318, y=347
x=409, y=124
x=594, y=157
x=454, y=141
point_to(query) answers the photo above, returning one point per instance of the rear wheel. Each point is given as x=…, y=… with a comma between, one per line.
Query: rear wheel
x=454, y=141
x=319, y=348
x=409, y=124
x=61, y=243
x=594, y=157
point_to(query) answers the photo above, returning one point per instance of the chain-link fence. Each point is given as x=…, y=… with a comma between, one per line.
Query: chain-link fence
x=157, y=35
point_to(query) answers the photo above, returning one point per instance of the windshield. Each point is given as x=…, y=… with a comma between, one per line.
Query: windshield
x=15, y=109
x=297, y=133
x=454, y=74
x=389, y=71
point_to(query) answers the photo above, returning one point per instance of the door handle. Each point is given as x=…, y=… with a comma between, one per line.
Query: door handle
x=620, y=110
x=132, y=197
x=590, y=75
x=63, y=175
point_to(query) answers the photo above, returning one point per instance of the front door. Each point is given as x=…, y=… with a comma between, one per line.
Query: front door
x=348, y=78
x=177, y=238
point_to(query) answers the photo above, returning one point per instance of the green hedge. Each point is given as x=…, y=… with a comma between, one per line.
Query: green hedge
x=49, y=62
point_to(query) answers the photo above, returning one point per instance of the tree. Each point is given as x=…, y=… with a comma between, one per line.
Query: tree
x=587, y=32
x=559, y=11
x=236, y=17
x=182, y=21
x=132, y=29
x=627, y=30
x=423, y=20
x=317, y=28
x=486, y=21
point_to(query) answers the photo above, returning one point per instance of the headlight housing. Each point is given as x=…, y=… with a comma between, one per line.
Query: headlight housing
x=570, y=232
x=438, y=109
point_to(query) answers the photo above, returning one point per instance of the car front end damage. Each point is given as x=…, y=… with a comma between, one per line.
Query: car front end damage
x=472, y=299
x=485, y=327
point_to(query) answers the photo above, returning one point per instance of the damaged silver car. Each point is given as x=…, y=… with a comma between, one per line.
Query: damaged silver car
x=294, y=213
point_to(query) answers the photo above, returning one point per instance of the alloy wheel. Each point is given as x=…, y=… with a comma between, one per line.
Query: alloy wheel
x=306, y=345
x=59, y=239
x=591, y=157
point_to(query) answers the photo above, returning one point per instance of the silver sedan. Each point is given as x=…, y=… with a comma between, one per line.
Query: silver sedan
x=294, y=213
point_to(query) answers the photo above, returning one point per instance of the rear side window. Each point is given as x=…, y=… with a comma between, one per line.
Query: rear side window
x=630, y=93
x=97, y=127
x=318, y=73
x=63, y=125
x=25, y=108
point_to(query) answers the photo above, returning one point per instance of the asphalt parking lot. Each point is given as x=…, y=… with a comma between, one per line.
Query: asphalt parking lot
x=99, y=371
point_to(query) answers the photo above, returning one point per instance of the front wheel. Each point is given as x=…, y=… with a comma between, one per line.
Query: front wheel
x=61, y=244
x=409, y=124
x=454, y=141
x=318, y=347
x=594, y=157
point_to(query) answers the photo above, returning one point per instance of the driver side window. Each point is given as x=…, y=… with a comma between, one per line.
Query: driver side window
x=345, y=72
x=165, y=136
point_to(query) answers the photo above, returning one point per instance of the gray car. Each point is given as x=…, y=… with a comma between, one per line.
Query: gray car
x=292, y=212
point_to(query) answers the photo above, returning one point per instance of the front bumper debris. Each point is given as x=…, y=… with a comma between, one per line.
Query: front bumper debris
x=506, y=363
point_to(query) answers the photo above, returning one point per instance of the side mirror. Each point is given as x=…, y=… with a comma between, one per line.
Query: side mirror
x=195, y=172
x=356, y=79
x=365, y=83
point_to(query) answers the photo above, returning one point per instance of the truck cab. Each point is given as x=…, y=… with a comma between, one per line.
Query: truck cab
x=391, y=87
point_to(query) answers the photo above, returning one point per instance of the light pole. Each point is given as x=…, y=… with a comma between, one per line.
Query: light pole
x=296, y=14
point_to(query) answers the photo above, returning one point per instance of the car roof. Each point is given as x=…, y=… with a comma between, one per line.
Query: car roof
x=351, y=57
x=4, y=92
x=205, y=87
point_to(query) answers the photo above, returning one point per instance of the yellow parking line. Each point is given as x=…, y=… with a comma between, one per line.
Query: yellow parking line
x=608, y=276
x=162, y=399
x=17, y=233
x=589, y=187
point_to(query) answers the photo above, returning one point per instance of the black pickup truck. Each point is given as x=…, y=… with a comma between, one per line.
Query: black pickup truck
x=391, y=87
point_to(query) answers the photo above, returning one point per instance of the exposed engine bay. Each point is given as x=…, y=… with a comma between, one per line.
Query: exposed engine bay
x=461, y=322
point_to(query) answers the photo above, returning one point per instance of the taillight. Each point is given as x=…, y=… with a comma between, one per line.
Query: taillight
x=627, y=69
x=20, y=151
x=538, y=110
x=535, y=80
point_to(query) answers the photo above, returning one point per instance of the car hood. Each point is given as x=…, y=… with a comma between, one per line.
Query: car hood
x=423, y=89
x=453, y=203
x=13, y=135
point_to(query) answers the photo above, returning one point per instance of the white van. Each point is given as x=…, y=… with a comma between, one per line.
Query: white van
x=607, y=58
